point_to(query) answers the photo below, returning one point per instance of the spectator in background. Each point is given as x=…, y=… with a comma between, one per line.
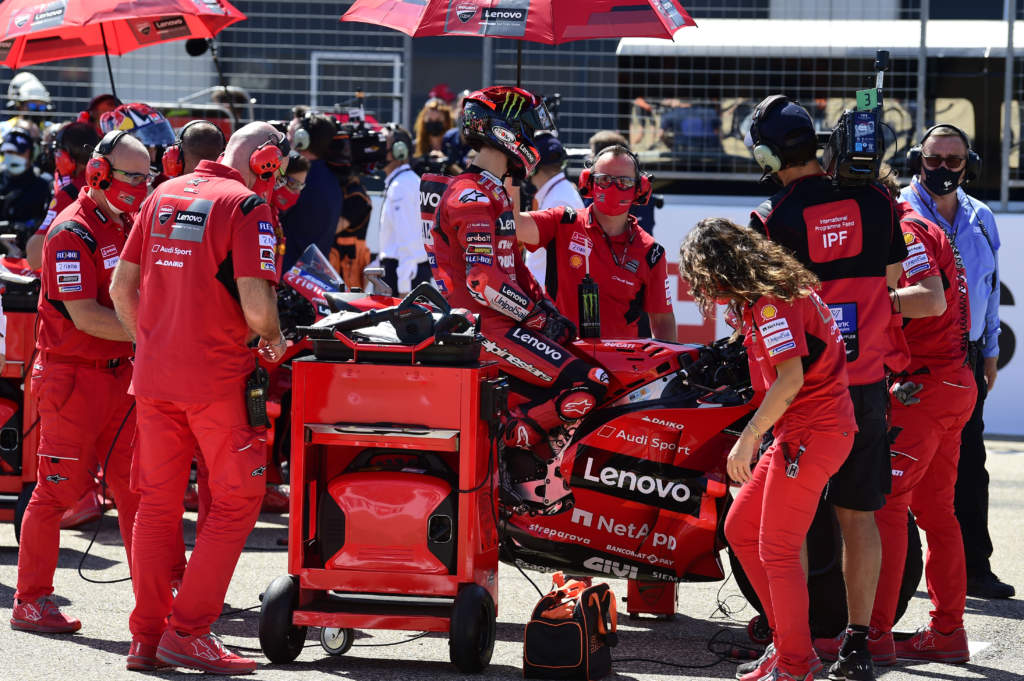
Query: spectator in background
x=351, y=254
x=602, y=139
x=24, y=196
x=553, y=190
x=455, y=149
x=692, y=130
x=72, y=147
x=432, y=122
x=98, y=105
x=314, y=217
x=29, y=97
x=401, y=247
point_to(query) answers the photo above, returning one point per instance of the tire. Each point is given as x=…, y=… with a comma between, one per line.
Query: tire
x=828, y=614
x=19, y=509
x=280, y=640
x=336, y=641
x=471, y=640
x=758, y=630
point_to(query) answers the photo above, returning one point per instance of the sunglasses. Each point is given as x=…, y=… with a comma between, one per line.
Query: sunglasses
x=35, y=106
x=954, y=163
x=291, y=183
x=134, y=179
x=623, y=182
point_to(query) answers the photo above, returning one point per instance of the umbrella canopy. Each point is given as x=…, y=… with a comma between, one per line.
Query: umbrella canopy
x=32, y=32
x=541, y=21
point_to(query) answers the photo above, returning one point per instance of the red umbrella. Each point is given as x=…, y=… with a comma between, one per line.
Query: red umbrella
x=32, y=32
x=540, y=21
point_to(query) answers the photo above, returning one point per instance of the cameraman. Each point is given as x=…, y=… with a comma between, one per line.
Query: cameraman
x=850, y=238
x=314, y=217
x=24, y=196
x=401, y=250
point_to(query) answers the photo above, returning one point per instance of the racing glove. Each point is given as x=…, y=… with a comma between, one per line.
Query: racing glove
x=546, y=318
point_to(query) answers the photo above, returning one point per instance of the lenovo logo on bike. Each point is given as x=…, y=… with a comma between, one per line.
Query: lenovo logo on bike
x=537, y=345
x=611, y=567
x=648, y=482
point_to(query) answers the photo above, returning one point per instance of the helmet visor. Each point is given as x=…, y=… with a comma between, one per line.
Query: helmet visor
x=154, y=134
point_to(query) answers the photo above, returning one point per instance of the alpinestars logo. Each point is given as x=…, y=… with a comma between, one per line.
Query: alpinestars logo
x=56, y=478
x=258, y=472
x=473, y=196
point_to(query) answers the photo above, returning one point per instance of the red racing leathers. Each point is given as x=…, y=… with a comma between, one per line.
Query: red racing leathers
x=926, y=447
x=477, y=263
x=86, y=421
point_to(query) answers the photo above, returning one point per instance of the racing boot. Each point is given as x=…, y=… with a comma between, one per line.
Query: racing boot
x=534, y=486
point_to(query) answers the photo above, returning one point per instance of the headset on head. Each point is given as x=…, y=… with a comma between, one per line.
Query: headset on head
x=173, y=160
x=971, y=170
x=643, y=180
x=267, y=158
x=401, y=142
x=98, y=170
x=301, y=139
x=767, y=156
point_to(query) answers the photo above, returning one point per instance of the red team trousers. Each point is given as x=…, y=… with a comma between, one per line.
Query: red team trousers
x=81, y=408
x=924, y=464
x=235, y=454
x=767, y=525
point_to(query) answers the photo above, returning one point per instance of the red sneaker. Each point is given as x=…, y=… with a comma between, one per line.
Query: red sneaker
x=275, y=500
x=204, y=652
x=928, y=644
x=142, y=658
x=88, y=509
x=44, y=616
x=880, y=645
x=753, y=671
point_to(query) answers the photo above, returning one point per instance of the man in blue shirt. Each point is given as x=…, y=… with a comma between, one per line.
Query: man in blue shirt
x=944, y=162
x=314, y=217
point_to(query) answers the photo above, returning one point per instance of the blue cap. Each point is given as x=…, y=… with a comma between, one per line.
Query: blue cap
x=550, y=149
x=17, y=140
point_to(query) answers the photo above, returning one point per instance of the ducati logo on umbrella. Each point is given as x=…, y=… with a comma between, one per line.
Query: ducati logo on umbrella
x=465, y=11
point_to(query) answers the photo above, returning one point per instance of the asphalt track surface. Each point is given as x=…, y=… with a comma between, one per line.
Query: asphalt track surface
x=97, y=652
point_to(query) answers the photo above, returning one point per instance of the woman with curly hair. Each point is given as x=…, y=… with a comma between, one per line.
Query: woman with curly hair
x=798, y=362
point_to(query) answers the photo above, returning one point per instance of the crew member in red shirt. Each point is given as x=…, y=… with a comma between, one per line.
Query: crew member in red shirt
x=477, y=264
x=606, y=242
x=72, y=147
x=194, y=283
x=932, y=401
x=796, y=353
x=81, y=374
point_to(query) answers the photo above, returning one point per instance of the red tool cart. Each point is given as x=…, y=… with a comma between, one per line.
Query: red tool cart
x=19, y=432
x=393, y=489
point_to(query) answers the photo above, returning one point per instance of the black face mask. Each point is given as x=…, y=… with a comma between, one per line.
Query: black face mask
x=941, y=181
x=434, y=128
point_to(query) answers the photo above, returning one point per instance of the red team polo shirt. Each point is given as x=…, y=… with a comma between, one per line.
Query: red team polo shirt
x=65, y=191
x=776, y=331
x=630, y=269
x=939, y=341
x=79, y=256
x=192, y=238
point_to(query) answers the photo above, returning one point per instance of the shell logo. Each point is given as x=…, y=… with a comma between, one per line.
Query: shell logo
x=908, y=238
x=575, y=261
x=769, y=312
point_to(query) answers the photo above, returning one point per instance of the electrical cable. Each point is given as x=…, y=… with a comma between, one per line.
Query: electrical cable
x=103, y=496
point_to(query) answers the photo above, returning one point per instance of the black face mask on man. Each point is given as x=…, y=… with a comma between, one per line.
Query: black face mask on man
x=941, y=181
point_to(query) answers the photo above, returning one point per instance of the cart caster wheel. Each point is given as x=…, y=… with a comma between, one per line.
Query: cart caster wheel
x=759, y=631
x=280, y=640
x=19, y=510
x=336, y=641
x=471, y=640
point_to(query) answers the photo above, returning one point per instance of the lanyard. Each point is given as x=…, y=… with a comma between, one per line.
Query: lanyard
x=629, y=242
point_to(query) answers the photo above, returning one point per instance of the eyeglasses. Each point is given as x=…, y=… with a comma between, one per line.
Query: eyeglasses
x=623, y=182
x=292, y=183
x=134, y=179
x=954, y=163
x=35, y=106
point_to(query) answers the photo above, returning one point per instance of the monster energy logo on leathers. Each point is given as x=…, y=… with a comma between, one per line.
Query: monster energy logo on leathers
x=590, y=309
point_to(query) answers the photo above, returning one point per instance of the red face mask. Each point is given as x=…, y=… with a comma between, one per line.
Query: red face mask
x=263, y=188
x=124, y=197
x=613, y=201
x=285, y=198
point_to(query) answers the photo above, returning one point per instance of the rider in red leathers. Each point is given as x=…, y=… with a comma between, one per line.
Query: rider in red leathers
x=477, y=263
